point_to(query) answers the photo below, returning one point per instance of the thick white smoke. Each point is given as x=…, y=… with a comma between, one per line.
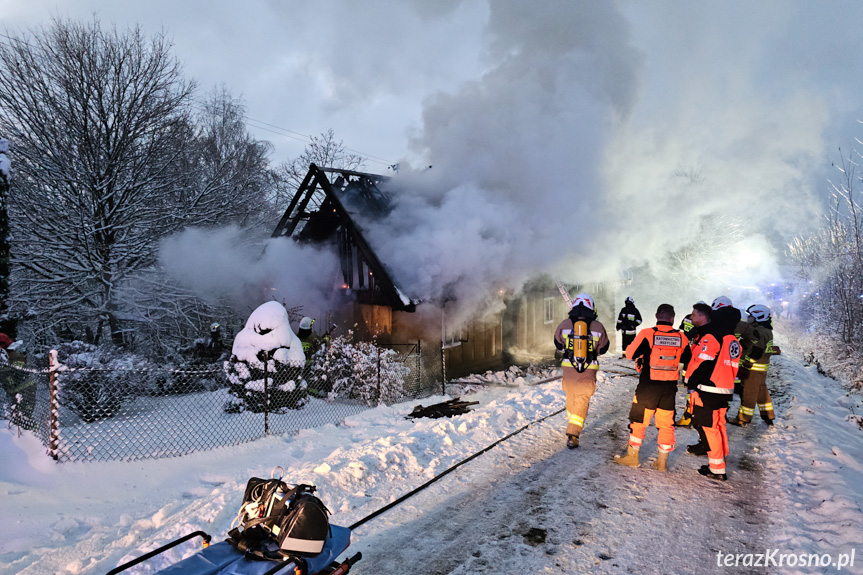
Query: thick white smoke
x=581, y=138
x=597, y=141
x=515, y=186
x=220, y=265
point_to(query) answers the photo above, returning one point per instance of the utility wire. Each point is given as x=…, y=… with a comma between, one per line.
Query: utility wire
x=257, y=124
x=300, y=137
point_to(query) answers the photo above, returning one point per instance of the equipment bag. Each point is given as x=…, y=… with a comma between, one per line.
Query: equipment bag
x=303, y=527
x=276, y=520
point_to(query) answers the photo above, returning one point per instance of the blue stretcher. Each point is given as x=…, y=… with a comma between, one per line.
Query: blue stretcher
x=224, y=559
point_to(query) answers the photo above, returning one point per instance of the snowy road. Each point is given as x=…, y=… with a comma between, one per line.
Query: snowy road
x=534, y=506
x=528, y=506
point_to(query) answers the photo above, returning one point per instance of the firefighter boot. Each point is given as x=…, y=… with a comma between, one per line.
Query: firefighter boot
x=661, y=461
x=630, y=459
x=572, y=441
x=705, y=471
x=737, y=421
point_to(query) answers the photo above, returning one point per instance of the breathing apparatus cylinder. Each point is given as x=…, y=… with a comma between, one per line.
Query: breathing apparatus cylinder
x=580, y=340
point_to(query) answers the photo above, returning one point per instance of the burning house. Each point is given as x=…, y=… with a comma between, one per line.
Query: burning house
x=332, y=206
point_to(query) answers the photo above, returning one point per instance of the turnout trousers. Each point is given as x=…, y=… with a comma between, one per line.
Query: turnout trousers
x=709, y=415
x=653, y=399
x=579, y=388
x=627, y=338
x=755, y=392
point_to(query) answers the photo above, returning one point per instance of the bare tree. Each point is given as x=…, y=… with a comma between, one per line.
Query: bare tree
x=229, y=175
x=831, y=260
x=323, y=151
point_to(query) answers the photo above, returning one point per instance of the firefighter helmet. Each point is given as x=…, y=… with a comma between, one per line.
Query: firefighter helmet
x=759, y=312
x=721, y=301
x=214, y=326
x=585, y=300
x=630, y=300
x=306, y=323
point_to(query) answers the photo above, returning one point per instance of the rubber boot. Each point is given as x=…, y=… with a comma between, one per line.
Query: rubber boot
x=684, y=421
x=630, y=459
x=661, y=461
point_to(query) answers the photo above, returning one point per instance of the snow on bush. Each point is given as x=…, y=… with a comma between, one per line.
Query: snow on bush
x=359, y=370
x=96, y=382
x=266, y=365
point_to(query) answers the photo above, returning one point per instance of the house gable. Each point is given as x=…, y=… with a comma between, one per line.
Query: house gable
x=325, y=211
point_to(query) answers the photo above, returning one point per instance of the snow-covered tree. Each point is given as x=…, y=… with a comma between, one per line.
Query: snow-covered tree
x=112, y=153
x=359, y=370
x=265, y=371
x=7, y=324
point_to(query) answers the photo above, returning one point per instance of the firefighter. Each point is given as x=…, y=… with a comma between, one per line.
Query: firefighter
x=710, y=373
x=628, y=320
x=582, y=339
x=212, y=348
x=700, y=317
x=660, y=349
x=756, y=362
x=308, y=338
x=311, y=344
x=746, y=336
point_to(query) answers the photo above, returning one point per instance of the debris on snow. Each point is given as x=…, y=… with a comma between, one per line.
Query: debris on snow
x=443, y=409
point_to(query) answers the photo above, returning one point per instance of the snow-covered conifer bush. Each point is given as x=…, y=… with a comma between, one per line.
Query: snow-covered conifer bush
x=96, y=382
x=359, y=370
x=265, y=371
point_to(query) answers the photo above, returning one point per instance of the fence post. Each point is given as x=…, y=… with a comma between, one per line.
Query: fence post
x=443, y=368
x=378, y=349
x=420, y=383
x=54, y=406
x=266, y=400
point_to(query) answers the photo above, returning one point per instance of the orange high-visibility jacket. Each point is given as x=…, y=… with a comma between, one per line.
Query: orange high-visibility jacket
x=715, y=364
x=663, y=345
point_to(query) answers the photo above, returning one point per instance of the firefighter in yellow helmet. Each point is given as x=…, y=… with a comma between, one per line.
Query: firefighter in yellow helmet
x=582, y=339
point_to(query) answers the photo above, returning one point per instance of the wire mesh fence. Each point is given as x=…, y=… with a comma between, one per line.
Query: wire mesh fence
x=128, y=414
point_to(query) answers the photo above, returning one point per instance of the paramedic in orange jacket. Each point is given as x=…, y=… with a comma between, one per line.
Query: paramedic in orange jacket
x=711, y=373
x=579, y=386
x=660, y=348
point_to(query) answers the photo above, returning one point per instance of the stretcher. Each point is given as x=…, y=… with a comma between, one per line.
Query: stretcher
x=224, y=559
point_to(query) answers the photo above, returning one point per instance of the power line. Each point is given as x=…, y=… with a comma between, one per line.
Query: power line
x=257, y=124
x=202, y=105
x=302, y=137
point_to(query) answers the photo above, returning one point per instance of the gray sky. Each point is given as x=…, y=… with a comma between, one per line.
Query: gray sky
x=553, y=123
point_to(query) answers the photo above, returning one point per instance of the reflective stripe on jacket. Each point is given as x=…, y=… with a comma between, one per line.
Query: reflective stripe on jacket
x=713, y=366
x=663, y=345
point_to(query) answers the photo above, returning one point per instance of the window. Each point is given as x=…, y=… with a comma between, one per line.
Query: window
x=454, y=338
x=549, y=310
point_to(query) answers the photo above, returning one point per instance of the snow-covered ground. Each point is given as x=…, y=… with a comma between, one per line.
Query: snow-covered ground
x=527, y=506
